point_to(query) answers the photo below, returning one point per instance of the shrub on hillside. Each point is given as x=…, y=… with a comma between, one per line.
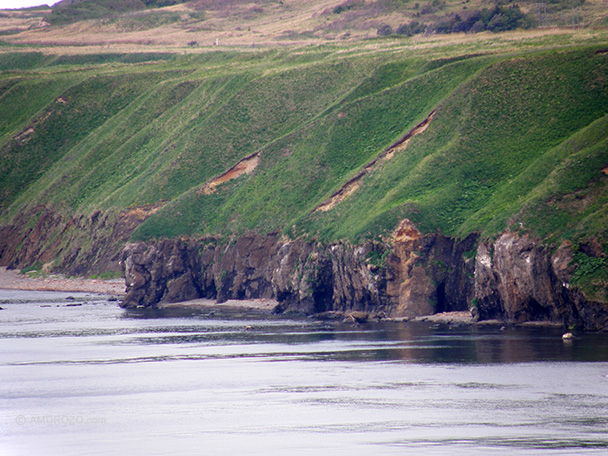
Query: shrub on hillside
x=385, y=30
x=347, y=5
x=160, y=3
x=558, y=5
x=498, y=19
x=411, y=29
x=432, y=7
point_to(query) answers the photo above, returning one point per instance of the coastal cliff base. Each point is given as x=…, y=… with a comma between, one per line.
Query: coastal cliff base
x=512, y=279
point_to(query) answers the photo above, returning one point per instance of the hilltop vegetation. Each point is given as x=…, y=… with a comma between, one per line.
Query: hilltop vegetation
x=176, y=23
x=68, y=11
x=146, y=135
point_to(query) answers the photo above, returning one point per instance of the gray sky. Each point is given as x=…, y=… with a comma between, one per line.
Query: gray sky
x=10, y=4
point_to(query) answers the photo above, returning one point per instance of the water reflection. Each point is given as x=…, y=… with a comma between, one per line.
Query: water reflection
x=374, y=341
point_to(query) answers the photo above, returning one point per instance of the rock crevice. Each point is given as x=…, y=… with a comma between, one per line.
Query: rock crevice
x=411, y=275
x=511, y=279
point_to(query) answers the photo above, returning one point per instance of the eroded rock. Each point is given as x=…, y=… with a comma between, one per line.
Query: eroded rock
x=512, y=279
x=518, y=280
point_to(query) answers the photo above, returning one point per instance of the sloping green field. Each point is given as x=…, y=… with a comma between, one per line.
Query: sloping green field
x=518, y=139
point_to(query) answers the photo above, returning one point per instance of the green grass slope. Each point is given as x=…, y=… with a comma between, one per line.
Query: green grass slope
x=518, y=140
x=492, y=143
x=466, y=172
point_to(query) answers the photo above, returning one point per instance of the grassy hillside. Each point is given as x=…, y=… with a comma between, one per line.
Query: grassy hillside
x=68, y=11
x=518, y=139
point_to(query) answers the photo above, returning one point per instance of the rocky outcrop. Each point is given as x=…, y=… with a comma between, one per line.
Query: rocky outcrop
x=303, y=276
x=82, y=244
x=427, y=274
x=518, y=280
x=512, y=279
x=410, y=276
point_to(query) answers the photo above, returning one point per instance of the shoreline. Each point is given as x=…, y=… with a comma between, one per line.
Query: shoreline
x=266, y=305
x=12, y=279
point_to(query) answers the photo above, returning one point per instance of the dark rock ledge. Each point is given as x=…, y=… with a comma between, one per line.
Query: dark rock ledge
x=512, y=279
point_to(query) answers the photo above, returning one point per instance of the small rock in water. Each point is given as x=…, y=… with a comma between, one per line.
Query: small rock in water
x=357, y=317
x=568, y=336
x=248, y=328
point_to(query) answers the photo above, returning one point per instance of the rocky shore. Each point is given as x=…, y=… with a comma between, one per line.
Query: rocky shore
x=512, y=280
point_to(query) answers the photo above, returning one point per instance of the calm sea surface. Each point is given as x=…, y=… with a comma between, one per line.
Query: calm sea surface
x=84, y=377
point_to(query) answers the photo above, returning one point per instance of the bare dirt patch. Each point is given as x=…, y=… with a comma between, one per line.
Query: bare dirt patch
x=406, y=232
x=345, y=191
x=246, y=166
x=353, y=184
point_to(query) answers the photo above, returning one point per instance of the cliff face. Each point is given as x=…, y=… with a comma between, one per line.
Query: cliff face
x=417, y=275
x=74, y=245
x=513, y=279
x=518, y=280
x=303, y=276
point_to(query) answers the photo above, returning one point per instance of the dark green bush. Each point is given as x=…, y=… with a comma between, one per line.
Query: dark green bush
x=385, y=30
x=411, y=29
x=498, y=19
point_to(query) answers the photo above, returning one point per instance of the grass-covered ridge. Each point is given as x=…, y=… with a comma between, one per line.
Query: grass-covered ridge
x=498, y=121
x=517, y=140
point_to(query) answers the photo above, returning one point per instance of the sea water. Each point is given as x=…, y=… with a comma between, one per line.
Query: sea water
x=80, y=376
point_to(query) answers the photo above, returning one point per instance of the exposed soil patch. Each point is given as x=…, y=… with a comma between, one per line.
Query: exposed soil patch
x=24, y=135
x=245, y=166
x=345, y=191
x=406, y=232
x=353, y=184
x=402, y=144
x=131, y=218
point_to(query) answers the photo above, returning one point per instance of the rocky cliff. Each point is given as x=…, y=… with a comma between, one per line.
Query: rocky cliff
x=512, y=279
x=518, y=280
x=48, y=239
